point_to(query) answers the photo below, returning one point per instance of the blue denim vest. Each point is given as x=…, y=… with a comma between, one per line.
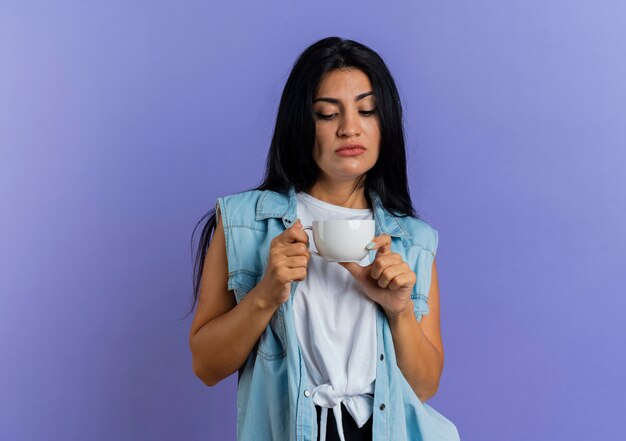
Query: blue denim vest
x=273, y=398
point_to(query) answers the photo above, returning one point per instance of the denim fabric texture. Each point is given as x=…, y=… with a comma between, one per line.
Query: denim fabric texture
x=273, y=397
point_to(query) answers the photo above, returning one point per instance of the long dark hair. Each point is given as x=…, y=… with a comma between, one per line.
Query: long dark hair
x=290, y=160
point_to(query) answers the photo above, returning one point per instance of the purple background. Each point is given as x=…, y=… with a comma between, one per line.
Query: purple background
x=122, y=122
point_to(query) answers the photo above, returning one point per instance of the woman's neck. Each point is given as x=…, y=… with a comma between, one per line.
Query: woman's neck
x=340, y=194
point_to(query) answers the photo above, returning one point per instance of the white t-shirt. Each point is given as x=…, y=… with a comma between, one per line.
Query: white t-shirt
x=336, y=325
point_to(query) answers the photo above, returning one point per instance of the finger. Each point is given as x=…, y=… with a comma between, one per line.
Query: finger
x=297, y=274
x=402, y=280
x=352, y=267
x=295, y=234
x=382, y=244
x=295, y=249
x=296, y=262
x=381, y=262
x=389, y=274
x=385, y=247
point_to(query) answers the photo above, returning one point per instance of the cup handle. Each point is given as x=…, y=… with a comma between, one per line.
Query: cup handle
x=310, y=250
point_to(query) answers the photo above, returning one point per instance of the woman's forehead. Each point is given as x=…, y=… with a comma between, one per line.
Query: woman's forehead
x=344, y=84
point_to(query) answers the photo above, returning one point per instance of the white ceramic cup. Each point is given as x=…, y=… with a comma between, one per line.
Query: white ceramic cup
x=342, y=240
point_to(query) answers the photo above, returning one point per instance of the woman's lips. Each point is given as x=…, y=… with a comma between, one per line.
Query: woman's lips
x=351, y=151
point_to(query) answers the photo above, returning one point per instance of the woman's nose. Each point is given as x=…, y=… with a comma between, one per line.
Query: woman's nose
x=349, y=125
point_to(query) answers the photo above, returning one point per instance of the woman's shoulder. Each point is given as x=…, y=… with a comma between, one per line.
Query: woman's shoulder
x=254, y=203
x=414, y=231
x=422, y=233
x=242, y=197
x=256, y=196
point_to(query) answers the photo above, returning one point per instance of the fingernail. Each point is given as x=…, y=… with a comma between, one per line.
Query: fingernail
x=371, y=245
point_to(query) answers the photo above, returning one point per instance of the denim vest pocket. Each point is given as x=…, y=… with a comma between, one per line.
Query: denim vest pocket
x=272, y=342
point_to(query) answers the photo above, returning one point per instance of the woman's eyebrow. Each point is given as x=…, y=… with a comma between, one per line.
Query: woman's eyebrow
x=336, y=101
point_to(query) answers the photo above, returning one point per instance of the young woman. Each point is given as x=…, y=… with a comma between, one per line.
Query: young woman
x=325, y=350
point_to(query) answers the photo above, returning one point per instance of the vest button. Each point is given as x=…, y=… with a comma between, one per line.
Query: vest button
x=382, y=406
x=382, y=357
x=307, y=393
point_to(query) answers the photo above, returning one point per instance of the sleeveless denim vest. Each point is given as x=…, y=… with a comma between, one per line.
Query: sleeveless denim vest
x=273, y=398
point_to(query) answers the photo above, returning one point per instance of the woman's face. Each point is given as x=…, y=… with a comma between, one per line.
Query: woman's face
x=345, y=114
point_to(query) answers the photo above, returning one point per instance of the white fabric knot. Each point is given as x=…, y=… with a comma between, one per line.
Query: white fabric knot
x=325, y=397
x=357, y=405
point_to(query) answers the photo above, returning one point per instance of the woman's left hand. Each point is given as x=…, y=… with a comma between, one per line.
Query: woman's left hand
x=388, y=280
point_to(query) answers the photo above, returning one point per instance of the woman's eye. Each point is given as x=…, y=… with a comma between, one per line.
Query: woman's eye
x=322, y=116
x=331, y=116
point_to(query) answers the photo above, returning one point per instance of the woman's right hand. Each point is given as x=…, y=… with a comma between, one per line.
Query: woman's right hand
x=288, y=260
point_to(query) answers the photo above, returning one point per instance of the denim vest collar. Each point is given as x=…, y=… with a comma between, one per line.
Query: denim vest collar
x=277, y=205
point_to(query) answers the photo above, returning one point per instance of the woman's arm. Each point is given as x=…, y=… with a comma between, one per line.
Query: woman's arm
x=223, y=332
x=418, y=345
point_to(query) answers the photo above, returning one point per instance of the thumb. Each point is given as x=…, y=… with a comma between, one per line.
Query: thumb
x=352, y=267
